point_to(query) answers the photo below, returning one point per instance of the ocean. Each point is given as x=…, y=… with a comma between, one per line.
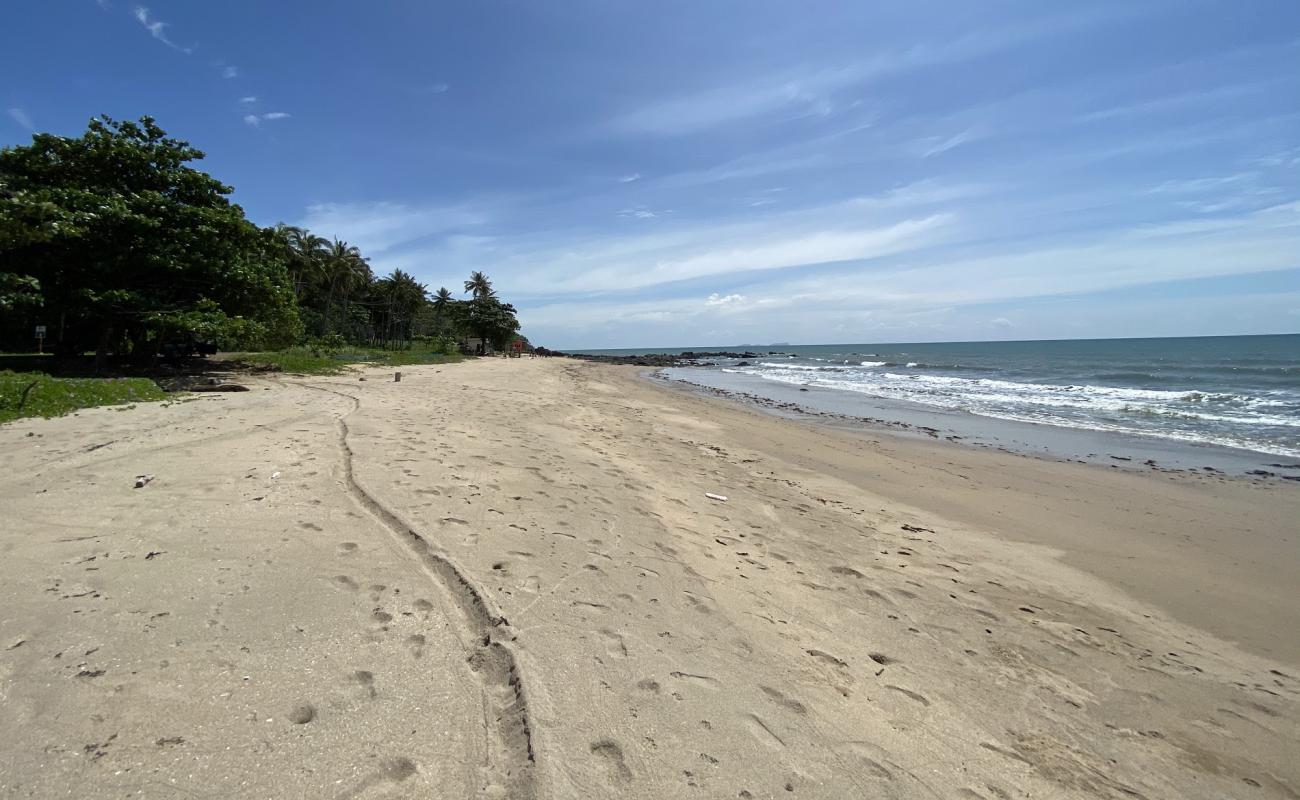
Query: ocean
x=1233, y=391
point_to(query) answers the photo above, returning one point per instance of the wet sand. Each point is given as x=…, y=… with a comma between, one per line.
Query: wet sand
x=503, y=578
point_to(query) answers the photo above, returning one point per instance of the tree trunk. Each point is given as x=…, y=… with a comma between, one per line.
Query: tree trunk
x=101, y=350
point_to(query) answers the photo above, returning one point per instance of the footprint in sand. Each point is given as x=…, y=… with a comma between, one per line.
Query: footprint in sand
x=706, y=681
x=416, y=642
x=611, y=755
x=784, y=701
x=366, y=680
x=917, y=696
x=614, y=643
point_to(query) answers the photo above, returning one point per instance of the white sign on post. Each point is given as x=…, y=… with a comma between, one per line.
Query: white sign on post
x=40, y=331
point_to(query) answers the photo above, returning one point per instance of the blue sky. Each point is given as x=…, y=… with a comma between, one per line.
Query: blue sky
x=688, y=173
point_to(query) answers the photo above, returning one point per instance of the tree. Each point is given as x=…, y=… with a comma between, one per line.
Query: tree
x=304, y=253
x=397, y=299
x=126, y=241
x=479, y=285
x=346, y=274
x=491, y=320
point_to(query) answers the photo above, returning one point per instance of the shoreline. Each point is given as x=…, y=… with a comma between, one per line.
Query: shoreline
x=1075, y=542
x=865, y=614
x=1038, y=439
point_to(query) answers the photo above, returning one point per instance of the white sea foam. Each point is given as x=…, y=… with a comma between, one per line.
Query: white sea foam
x=1198, y=416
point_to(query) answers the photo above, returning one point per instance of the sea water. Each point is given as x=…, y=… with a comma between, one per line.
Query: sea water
x=1233, y=391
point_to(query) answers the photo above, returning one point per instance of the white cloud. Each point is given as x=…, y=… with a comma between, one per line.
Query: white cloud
x=822, y=91
x=936, y=145
x=786, y=249
x=249, y=100
x=674, y=249
x=230, y=72
x=439, y=88
x=635, y=176
x=692, y=252
x=716, y=299
x=157, y=29
x=1197, y=185
x=20, y=116
x=935, y=296
x=256, y=120
x=378, y=227
x=1175, y=102
x=640, y=212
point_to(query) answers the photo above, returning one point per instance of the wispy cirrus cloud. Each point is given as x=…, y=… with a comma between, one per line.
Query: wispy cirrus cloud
x=381, y=227
x=229, y=72
x=937, y=145
x=157, y=29
x=822, y=90
x=21, y=117
x=902, y=298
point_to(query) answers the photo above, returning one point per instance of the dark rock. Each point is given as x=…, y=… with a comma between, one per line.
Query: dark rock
x=687, y=358
x=220, y=387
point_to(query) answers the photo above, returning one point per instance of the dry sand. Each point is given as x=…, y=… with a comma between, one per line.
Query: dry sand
x=503, y=579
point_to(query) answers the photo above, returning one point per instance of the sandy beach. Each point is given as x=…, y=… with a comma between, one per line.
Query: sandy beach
x=503, y=578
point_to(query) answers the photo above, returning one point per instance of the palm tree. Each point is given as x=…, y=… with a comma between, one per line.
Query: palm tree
x=479, y=284
x=401, y=297
x=441, y=300
x=346, y=271
x=303, y=252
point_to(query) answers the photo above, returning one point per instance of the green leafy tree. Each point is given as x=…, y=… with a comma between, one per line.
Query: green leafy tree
x=304, y=255
x=126, y=241
x=491, y=320
x=396, y=301
x=346, y=276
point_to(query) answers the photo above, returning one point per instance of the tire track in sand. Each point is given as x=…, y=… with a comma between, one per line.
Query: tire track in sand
x=512, y=759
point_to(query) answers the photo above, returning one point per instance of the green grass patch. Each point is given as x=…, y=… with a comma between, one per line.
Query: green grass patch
x=403, y=358
x=298, y=360
x=35, y=394
x=310, y=361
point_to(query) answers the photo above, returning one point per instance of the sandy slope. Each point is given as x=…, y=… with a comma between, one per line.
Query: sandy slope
x=859, y=619
x=168, y=641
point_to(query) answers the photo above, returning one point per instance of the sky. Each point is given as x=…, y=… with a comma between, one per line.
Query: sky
x=709, y=173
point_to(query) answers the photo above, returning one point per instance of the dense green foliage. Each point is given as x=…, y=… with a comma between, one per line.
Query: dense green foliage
x=35, y=394
x=115, y=243
x=316, y=360
x=341, y=301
